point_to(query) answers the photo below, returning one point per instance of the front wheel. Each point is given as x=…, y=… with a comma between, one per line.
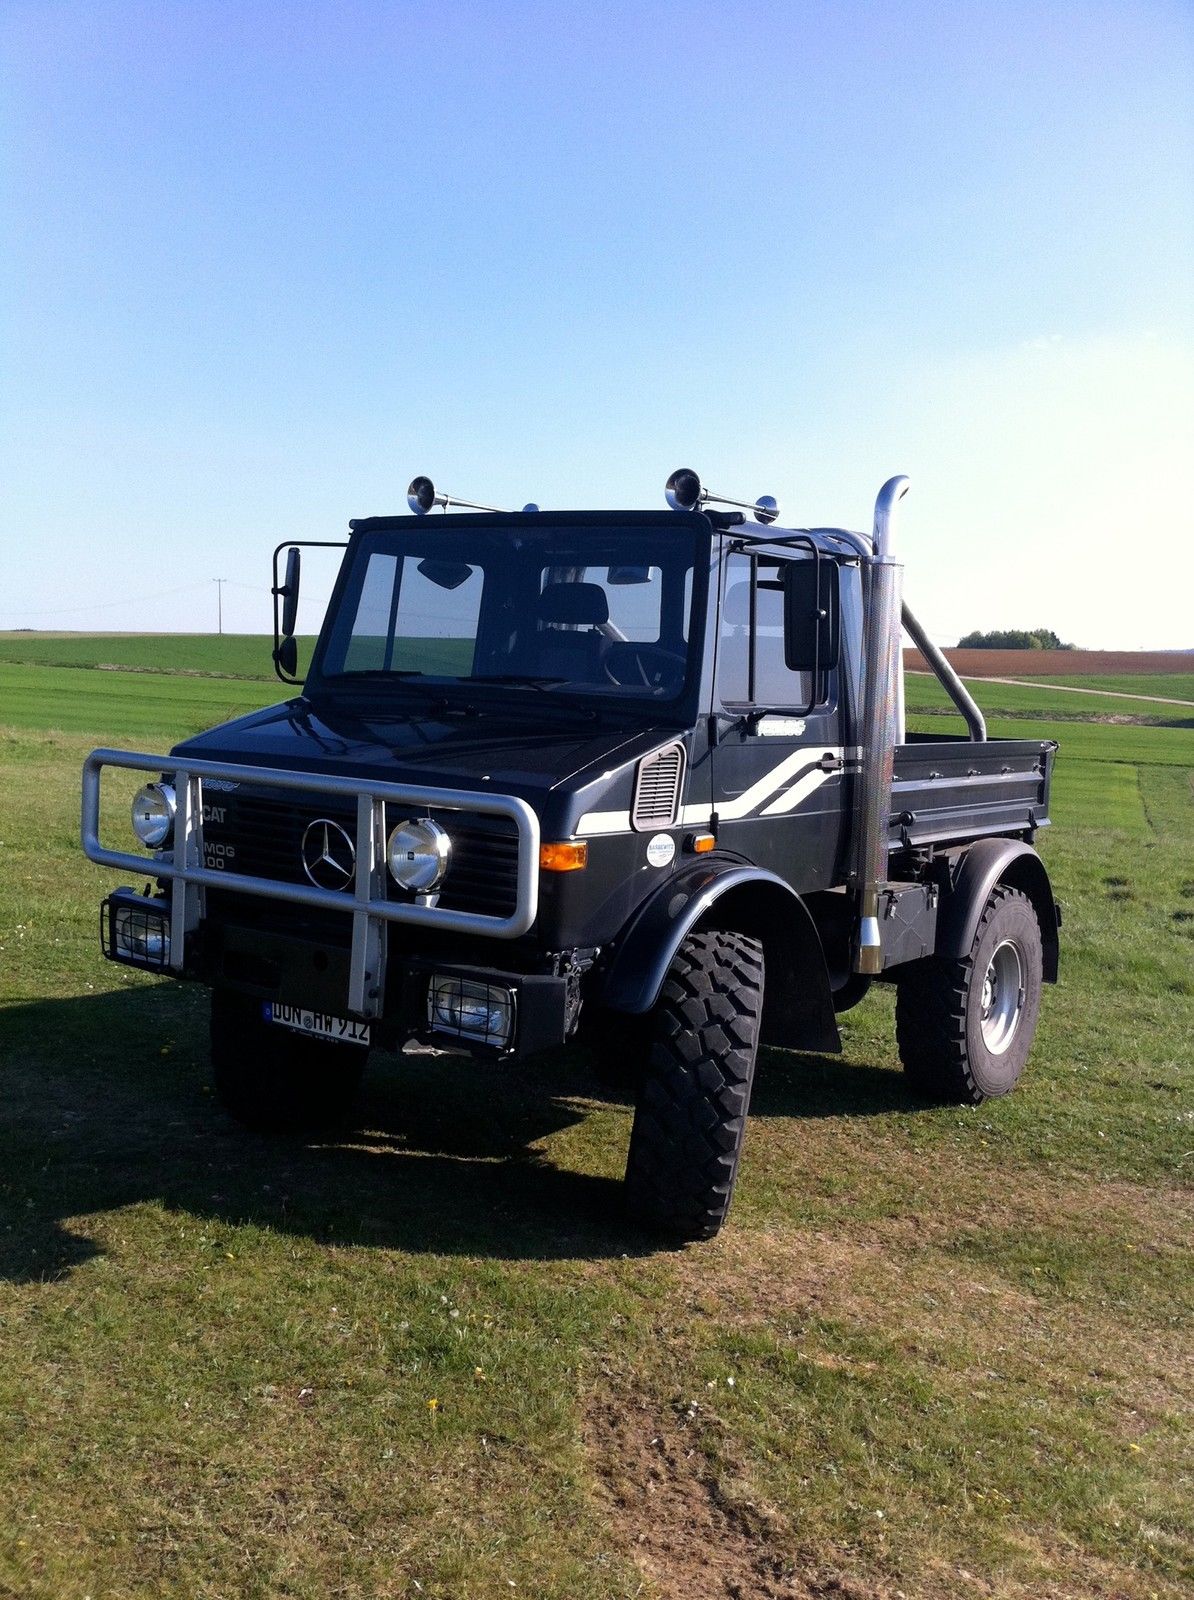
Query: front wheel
x=690, y=1119
x=965, y=1027
x=274, y=1080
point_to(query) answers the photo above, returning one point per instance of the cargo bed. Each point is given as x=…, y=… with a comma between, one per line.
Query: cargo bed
x=955, y=789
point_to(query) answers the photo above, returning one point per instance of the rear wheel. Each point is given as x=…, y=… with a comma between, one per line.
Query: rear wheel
x=690, y=1119
x=965, y=1027
x=276, y=1081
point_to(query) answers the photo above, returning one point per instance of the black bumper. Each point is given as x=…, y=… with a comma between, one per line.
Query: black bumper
x=313, y=974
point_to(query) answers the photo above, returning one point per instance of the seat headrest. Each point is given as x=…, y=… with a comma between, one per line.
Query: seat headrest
x=769, y=601
x=736, y=606
x=574, y=602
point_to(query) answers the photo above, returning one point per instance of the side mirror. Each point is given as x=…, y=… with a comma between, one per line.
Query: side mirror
x=811, y=615
x=286, y=656
x=290, y=592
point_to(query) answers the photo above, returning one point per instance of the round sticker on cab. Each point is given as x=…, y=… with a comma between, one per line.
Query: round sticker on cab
x=661, y=849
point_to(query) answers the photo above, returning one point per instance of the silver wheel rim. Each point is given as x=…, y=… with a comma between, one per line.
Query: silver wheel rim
x=1002, y=997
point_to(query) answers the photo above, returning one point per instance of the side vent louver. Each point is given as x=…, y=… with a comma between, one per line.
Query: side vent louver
x=657, y=789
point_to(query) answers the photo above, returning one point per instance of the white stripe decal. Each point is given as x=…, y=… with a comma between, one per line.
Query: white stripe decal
x=798, y=761
x=604, y=822
x=791, y=798
x=698, y=813
x=802, y=765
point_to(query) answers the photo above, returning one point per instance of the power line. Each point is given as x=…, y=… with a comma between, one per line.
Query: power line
x=100, y=605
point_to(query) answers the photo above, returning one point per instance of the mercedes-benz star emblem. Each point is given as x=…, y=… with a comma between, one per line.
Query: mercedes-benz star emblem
x=329, y=855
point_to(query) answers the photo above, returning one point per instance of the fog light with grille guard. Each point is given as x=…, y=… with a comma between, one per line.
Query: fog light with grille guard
x=135, y=931
x=467, y=1009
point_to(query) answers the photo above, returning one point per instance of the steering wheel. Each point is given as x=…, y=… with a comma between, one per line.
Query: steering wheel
x=643, y=666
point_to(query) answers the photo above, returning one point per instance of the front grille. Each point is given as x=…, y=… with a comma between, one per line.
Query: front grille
x=262, y=835
x=657, y=788
x=280, y=916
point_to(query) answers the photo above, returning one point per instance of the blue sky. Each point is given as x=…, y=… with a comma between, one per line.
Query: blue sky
x=264, y=262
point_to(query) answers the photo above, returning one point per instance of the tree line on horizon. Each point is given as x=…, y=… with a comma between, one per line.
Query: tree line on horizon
x=1014, y=639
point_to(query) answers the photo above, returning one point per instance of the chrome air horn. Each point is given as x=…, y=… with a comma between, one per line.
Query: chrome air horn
x=685, y=492
x=422, y=496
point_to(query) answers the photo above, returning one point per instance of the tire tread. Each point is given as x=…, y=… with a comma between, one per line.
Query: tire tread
x=692, y=1107
x=931, y=1016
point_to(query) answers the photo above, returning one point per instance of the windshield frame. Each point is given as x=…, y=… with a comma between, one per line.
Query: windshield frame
x=413, y=690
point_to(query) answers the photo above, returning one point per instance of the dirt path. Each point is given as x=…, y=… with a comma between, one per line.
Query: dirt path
x=1069, y=688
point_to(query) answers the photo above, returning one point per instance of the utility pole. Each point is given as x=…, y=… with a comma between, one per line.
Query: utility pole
x=219, y=583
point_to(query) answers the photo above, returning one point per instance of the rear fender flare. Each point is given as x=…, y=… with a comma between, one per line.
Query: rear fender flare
x=985, y=865
x=798, y=1003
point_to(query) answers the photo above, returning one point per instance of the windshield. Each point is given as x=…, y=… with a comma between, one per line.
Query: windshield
x=587, y=610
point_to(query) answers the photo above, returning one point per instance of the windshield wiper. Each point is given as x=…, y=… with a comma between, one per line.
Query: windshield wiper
x=529, y=680
x=354, y=675
x=340, y=683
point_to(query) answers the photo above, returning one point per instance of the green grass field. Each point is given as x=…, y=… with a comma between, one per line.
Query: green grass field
x=1170, y=685
x=230, y=655
x=70, y=701
x=935, y=1353
x=924, y=695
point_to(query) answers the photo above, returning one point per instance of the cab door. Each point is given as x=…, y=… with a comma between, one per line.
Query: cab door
x=780, y=792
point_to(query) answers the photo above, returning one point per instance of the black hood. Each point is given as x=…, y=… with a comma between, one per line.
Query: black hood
x=528, y=755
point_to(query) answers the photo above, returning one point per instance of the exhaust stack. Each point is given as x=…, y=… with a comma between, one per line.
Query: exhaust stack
x=882, y=720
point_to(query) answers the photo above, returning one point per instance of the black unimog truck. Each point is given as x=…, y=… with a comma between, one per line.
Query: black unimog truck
x=637, y=777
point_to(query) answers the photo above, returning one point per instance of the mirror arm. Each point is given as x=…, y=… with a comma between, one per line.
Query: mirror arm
x=281, y=591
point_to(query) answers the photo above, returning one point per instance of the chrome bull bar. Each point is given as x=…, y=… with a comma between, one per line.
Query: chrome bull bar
x=371, y=911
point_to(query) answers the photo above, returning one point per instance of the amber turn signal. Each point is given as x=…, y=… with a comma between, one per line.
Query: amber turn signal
x=701, y=843
x=565, y=856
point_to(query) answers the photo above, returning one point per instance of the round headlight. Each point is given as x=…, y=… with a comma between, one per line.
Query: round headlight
x=153, y=814
x=418, y=854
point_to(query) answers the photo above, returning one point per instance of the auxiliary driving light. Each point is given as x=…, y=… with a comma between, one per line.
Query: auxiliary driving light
x=418, y=853
x=467, y=1009
x=153, y=814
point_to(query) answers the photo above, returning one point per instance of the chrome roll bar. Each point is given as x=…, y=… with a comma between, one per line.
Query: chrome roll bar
x=950, y=682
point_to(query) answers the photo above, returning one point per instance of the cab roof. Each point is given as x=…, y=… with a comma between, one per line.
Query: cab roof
x=831, y=541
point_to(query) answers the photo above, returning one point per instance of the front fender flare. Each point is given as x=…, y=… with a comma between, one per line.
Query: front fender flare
x=798, y=1002
x=987, y=863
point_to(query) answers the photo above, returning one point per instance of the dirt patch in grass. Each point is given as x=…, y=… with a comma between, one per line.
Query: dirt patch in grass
x=692, y=1533
x=1032, y=1281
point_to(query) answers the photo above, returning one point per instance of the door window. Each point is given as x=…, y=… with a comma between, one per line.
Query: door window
x=753, y=671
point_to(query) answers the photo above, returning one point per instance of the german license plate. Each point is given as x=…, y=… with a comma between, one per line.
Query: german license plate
x=316, y=1024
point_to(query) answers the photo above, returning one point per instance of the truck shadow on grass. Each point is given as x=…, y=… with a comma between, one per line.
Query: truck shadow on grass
x=106, y=1103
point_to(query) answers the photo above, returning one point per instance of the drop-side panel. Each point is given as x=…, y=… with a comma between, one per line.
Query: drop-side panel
x=946, y=790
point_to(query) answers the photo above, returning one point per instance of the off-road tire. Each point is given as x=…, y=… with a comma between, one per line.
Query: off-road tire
x=691, y=1113
x=273, y=1080
x=939, y=1010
